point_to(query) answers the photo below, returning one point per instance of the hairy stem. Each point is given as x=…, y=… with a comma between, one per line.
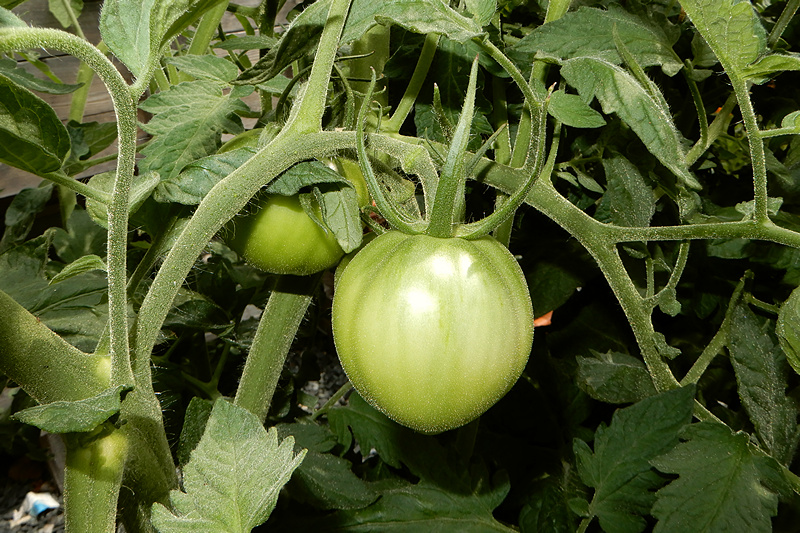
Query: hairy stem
x=414, y=86
x=277, y=328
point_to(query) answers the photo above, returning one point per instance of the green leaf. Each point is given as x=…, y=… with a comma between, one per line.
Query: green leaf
x=619, y=468
x=788, y=329
x=140, y=190
x=482, y=10
x=305, y=174
x=21, y=214
x=233, y=478
x=572, y=111
x=194, y=425
x=193, y=183
x=188, y=124
x=206, y=67
x=620, y=93
x=324, y=480
x=246, y=42
x=370, y=427
x=767, y=66
x=90, y=138
x=429, y=16
x=732, y=30
x=761, y=373
x=81, y=237
x=341, y=214
x=86, y=263
x=720, y=484
x=194, y=311
x=9, y=19
x=614, y=377
x=588, y=32
x=8, y=68
x=629, y=200
x=136, y=30
x=425, y=506
x=548, y=509
x=59, y=10
x=32, y=137
x=79, y=416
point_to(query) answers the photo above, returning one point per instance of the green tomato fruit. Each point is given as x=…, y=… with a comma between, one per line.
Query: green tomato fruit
x=279, y=237
x=432, y=331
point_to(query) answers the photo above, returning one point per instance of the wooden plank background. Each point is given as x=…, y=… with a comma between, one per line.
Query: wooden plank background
x=98, y=105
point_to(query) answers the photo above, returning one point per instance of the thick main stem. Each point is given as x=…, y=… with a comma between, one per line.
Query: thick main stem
x=277, y=328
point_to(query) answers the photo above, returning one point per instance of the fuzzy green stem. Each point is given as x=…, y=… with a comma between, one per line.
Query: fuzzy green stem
x=449, y=192
x=787, y=14
x=277, y=328
x=344, y=389
x=414, y=86
x=79, y=187
x=697, y=98
x=207, y=28
x=757, y=155
x=222, y=202
x=25, y=38
x=716, y=129
x=47, y=367
x=308, y=118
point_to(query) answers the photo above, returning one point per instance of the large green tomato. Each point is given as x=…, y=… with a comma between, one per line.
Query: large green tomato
x=279, y=237
x=432, y=331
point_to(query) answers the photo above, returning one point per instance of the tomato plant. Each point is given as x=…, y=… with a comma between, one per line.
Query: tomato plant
x=432, y=331
x=635, y=163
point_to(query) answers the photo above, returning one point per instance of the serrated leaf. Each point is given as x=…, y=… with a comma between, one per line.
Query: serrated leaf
x=324, y=480
x=193, y=183
x=629, y=199
x=32, y=137
x=719, y=487
x=588, y=32
x=788, y=329
x=78, y=416
x=59, y=10
x=86, y=263
x=620, y=93
x=761, y=376
x=8, y=68
x=233, y=478
x=731, y=28
x=619, y=468
x=572, y=111
x=614, y=377
x=140, y=190
x=206, y=67
x=188, y=124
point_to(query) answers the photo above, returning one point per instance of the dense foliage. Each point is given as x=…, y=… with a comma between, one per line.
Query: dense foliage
x=656, y=146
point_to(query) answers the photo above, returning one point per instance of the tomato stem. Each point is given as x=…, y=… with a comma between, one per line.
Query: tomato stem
x=277, y=328
x=448, y=201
